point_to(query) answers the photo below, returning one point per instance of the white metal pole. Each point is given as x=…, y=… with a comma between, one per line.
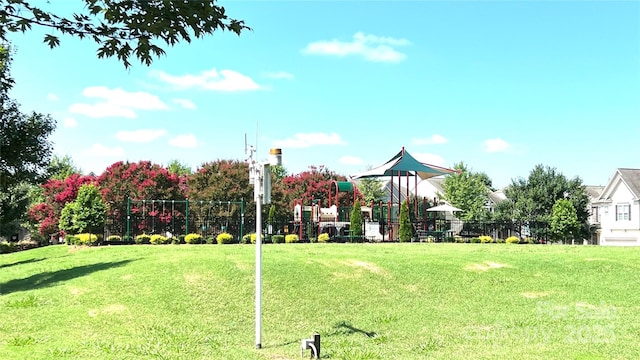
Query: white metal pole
x=258, y=189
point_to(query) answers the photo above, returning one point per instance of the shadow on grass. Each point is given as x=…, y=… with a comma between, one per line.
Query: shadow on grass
x=21, y=262
x=51, y=278
x=344, y=328
x=341, y=328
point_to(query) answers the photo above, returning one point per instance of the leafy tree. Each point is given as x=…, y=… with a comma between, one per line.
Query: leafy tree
x=178, y=168
x=468, y=191
x=45, y=218
x=279, y=172
x=56, y=194
x=564, y=220
x=25, y=150
x=88, y=210
x=313, y=184
x=486, y=180
x=140, y=181
x=61, y=168
x=371, y=189
x=65, y=223
x=123, y=28
x=406, y=228
x=222, y=180
x=355, y=226
x=531, y=200
x=13, y=206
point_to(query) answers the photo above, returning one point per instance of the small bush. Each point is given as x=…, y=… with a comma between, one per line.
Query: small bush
x=486, y=239
x=459, y=239
x=114, y=238
x=475, y=240
x=193, y=238
x=277, y=239
x=500, y=241
x=450, y=239
x=7, y=247
x=158, y=239
x=324, y=237
x=530, y=241
x=82, y=239
x=70, y=239
x=127, y=239
x=224, y=238
x=181, y=239
x=512, y=240
x=251, y=238
x=291, y=238
x=210, y=240
x=26, y=244
x=143, y=239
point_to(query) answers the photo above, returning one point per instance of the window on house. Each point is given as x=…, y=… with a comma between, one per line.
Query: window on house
x=623, y=212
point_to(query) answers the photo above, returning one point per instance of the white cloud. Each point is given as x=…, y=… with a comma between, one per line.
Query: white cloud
x=301, y=140
x=278, y=75
x=104, y=151
x=350, y=160
x=185, y=103
x=184, y=141
x=69, y=122
x=52, y=97
x=101, y=110
x=140, y=136
x=223, y=80
x=370, y=47
x=496, y=145
x=433, y=140
x=116, y=103
x=431, y=159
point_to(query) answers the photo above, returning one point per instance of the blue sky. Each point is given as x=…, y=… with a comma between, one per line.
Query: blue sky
x=500, y=85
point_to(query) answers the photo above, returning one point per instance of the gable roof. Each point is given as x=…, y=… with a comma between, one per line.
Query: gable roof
x=497, y=196
x=594, y=191
x=629, y=177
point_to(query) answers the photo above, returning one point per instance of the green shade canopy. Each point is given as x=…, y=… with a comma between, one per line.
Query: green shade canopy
x=403, y=164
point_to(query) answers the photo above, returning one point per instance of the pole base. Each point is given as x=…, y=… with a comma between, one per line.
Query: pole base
x=258, y=346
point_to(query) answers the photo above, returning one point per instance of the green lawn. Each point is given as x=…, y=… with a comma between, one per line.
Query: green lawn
x=368, y=301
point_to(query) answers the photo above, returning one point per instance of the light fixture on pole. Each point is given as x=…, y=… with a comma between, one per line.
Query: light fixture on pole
x=260, y=178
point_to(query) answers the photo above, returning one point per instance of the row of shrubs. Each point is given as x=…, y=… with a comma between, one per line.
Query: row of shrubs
x=156, y=239
x=11, y=246
x=485, y=239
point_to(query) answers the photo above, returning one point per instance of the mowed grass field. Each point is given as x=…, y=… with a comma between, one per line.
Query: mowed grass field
x=368, y=301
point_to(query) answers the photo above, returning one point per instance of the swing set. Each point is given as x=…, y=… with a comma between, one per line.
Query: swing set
x=181, y=217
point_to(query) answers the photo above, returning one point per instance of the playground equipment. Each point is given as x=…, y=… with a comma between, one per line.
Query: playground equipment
x=312, y=220
x=178, y=217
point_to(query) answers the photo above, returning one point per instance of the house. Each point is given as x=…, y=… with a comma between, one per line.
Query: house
x=494, y=198
x=617, y=209
x=594, y=192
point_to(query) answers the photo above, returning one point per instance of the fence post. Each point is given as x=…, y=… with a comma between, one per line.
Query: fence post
x=128, y=219
x=186, y=218
x=241, y=218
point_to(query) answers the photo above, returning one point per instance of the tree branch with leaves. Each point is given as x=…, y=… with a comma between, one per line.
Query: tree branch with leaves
x=123, y=28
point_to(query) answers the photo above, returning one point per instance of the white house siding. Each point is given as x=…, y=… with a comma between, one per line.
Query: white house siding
x=620, y=232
